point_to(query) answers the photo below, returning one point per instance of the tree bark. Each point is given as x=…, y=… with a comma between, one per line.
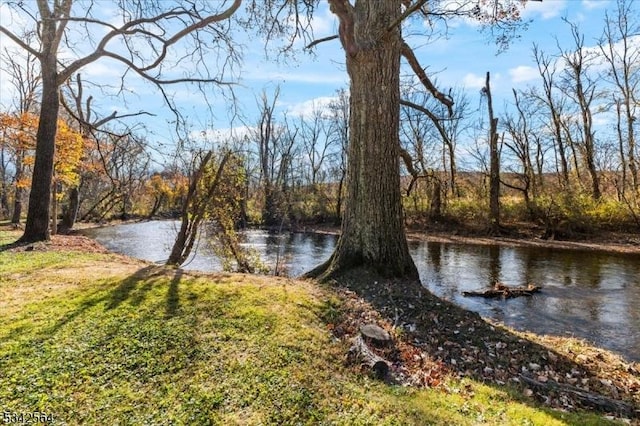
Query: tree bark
x=37, y=224
x=372, y=231
x=70, y=215
x=54, y=209
x=494, y=172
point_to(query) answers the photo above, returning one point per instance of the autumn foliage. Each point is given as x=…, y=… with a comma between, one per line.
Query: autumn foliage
x=18, y=141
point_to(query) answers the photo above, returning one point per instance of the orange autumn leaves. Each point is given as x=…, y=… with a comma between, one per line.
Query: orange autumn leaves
x=18, y=136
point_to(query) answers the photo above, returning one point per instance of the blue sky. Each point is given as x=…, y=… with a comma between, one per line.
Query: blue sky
x=462, y=59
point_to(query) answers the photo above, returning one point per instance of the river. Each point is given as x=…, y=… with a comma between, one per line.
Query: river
x=586, y=294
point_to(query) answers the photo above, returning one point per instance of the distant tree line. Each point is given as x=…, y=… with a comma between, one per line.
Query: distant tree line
x=562, y=154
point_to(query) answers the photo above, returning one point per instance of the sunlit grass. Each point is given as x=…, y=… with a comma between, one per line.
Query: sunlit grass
x=92, y=341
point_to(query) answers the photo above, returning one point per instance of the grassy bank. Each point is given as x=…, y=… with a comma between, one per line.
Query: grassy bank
x=95, y=338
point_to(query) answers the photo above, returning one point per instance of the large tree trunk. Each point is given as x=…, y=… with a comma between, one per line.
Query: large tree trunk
x=37, y=224
x=372, y=232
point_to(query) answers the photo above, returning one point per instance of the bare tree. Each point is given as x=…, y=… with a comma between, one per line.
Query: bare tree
x=555, y=107
x=316, y=144
x=622, y=58
x=123, y=164
x=439, y=126
x=150, y=32
x=519, y=144
x=419, y=151
x=580, y=86
x=90, y=124
x=275, y=142
x=339, y=132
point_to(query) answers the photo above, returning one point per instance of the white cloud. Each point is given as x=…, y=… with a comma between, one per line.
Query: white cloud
x=308, y=108
x=473, y=81
x=523, y=73
x=633, y=47
x=594, y=4
x=103, y=69
x=544, y=9
x=323, y=23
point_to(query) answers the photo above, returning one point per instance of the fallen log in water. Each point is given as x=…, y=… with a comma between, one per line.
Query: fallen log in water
x=501, y=290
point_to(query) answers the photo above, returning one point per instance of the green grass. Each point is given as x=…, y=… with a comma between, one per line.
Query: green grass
x=91, y=340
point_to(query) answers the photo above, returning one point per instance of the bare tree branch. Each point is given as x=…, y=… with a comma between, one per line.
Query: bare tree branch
x=17, y=40
x=436, y=120
x=408, y=11
x=321, y=40
x=408, y=54
x=131, y=27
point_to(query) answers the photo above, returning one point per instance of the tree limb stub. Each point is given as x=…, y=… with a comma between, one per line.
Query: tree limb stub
x=370, y=334
x=344, y=11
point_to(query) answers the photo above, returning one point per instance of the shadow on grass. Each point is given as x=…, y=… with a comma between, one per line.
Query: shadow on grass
x=471, y=347
x=135, y=287
x=173, y=295
x=19, y=245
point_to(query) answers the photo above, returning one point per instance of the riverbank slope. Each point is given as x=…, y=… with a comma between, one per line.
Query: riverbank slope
x=93, y=337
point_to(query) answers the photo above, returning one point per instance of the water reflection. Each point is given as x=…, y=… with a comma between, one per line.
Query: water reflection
x=585, y=294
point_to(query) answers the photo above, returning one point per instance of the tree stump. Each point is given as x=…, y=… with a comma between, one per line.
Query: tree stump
x=376, y=335
x=362, y=353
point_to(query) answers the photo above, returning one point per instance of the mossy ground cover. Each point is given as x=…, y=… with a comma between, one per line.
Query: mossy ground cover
x=92, y=338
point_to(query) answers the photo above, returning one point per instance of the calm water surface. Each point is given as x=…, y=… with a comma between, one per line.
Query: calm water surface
x=589, y=295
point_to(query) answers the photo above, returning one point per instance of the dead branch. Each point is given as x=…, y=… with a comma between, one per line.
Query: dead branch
x=321, y=40
x=408, y=54
x=585, y=398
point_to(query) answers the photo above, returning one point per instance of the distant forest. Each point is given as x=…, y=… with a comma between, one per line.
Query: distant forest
x=566, y=152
